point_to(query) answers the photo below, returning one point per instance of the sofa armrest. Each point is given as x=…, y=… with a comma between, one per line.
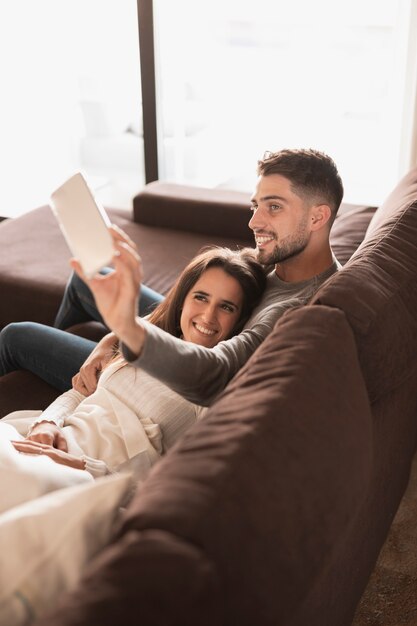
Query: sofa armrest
x=175, y=583
x=194, y=209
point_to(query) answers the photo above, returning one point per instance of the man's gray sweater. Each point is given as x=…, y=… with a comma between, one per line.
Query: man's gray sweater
x=199, y=374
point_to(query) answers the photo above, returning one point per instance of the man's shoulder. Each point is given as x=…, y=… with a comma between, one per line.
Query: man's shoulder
x=279, y=296
x=271, y=308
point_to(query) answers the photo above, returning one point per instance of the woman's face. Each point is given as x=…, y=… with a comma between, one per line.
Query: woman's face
x=211, y=308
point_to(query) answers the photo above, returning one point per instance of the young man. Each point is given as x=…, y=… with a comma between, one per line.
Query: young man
x=294, y=205
x=295, y=202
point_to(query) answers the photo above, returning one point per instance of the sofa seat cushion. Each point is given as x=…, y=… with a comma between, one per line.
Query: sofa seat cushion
x=377, y=290
x=23, y=390
x=264, y=486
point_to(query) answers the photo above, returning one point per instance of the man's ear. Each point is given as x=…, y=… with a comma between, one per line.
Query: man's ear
x=320, y=215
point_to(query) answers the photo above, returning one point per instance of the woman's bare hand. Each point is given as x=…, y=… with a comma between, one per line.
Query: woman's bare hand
x=48, y=433
x=86, y=380
x=59, y=456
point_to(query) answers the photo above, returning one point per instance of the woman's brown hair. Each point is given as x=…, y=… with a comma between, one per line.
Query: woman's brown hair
x=240, y=264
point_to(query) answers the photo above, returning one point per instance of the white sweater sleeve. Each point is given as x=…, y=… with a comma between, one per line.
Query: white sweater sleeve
x=95, y=467
x=57, y=412
x=60, y=408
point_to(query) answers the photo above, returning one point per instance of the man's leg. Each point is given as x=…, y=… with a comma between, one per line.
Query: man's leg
x=52, y=354
x=78, y=303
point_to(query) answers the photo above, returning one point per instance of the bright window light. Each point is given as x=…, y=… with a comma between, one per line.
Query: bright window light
x=238, y=78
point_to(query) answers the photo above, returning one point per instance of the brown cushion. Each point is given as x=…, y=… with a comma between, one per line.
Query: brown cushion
x=125, y=586
x=217, y=212
x=349, y=229
x=264, y=486
x=404, y=194
x=23, y=390
x=377, y=291
x=90, y=330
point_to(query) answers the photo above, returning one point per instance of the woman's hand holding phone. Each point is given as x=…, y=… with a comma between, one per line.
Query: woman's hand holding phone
x=117, y=293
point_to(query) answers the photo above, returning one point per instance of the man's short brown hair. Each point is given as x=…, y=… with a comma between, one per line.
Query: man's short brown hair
x=313, y=175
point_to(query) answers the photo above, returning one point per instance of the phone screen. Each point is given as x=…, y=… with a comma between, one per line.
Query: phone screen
x=84, y=224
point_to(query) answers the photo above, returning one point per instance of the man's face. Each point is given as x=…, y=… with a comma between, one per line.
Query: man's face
x=280, y=220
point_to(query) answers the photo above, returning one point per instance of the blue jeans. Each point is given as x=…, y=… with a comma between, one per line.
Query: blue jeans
x=51, y=353
x=78, y=303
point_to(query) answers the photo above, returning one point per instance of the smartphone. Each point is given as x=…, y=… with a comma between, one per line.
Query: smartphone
x=84, y=224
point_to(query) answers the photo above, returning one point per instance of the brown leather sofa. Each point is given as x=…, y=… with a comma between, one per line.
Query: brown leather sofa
x=272, y=510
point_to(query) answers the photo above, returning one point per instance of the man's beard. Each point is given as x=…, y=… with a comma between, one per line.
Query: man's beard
x=287, y=249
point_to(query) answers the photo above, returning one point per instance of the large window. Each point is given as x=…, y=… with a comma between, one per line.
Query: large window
x=234, y=78
x=237, y=78
x=70, y=99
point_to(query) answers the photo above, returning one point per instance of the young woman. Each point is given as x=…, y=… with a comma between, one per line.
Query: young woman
x=132, y=419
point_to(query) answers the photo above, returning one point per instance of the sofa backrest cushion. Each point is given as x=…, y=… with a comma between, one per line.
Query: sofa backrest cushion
x=194, y=209
x=377, y=290
x=257, y=484
x=349, y=229
x=401, y=197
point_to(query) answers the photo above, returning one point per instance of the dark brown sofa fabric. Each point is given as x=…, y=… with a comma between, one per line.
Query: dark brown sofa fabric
x=23, y=390
x=377, y=290
x=153, y=578
x=404, y=194
x=394, y=436
x=264, y=487
x=349, y=229
x=33, y=267
x=216, y=212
